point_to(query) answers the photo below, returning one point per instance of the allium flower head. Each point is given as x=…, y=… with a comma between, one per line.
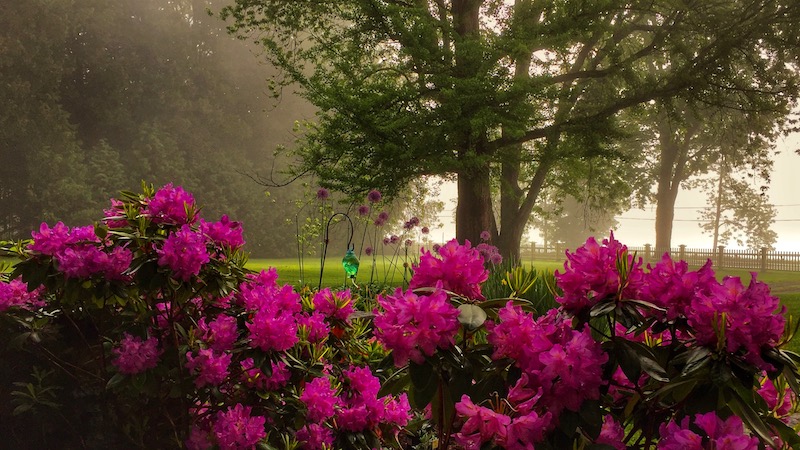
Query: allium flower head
x=374, y=196
x=413, y=326
x=368, y=251
x=135, y=355
x=459, y=268
x=363, y=210
x=383, y=216
x=323, y=194
x=425, y=230
x=169, y=205
x=590, y=274
x=237, y=429
x=184, y=252
x=223, y=233
x=485, y=235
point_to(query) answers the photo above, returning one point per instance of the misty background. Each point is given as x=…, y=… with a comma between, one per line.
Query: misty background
x=98, y=96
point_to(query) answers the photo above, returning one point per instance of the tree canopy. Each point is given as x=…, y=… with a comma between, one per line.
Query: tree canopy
x=466, y=87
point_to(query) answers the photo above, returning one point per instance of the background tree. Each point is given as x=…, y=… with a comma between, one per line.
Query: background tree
x=689, y=140
x=738, y=210
x=462, y=88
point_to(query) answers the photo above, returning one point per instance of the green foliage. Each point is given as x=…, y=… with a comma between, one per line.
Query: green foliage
x=461, y=89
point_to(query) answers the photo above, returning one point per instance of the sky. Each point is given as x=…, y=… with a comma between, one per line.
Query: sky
x=637, y=226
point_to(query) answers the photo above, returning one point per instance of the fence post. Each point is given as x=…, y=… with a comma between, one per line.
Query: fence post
x=533, y=249
x=682, y=252
x=720, y=256
x=647, y=253
x=763, y=259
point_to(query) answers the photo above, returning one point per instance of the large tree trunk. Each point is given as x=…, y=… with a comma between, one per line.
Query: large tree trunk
x=474, y=209
x=673, y=158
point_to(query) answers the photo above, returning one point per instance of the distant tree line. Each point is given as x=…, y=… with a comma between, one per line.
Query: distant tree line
x=97, y=96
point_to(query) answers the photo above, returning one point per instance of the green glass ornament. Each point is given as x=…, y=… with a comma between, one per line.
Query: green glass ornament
x=350, y=263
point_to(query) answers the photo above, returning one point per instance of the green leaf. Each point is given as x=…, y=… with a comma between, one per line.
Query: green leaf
x=749, y=416
x=603, y=308
x=471, y=316
x=115, y=381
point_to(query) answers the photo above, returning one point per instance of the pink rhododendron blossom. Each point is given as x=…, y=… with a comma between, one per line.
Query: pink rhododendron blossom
x=397, y=410
x=49, y=241
x=747, y=314
x=711, y=432
x=337, y=305
x=210, y=367
x=315, y=327
x=199, y=439
x=320, y=399
x=135, y=355
x=15, y=294
x=481, y=424
x=169, y=206
x=527, y=429
x=611, y=434
x=114, y=217
x=273, y=330
x=184, y=252
x=413, y=326
x=670, y=285
x=220, y=334
x=780, y=403
x=254, y=377
x=565, y=363
x=314, y=436
x=590, y=275
x=459, y=268
x=237, y=429
x=225, y=233
x=85, y=260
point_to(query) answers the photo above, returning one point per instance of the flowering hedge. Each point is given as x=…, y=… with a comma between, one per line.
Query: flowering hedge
x=183, y=346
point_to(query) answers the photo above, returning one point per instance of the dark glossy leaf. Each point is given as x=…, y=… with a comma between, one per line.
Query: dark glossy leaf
x=749, y=416
x=602, y=308
x=787, y=434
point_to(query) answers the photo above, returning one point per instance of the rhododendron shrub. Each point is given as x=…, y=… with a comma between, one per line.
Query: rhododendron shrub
x=183, y=346
x=163, y=339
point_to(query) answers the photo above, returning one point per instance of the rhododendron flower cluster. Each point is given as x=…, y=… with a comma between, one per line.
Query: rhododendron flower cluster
x=414, y=326
x=320, y=399
x=238, y=429
x=338, y=305
x=747, y=316
x=710, y=432
x=135, y=355
x=185, y=253
x=565, y=363
x=15, y=294
x=670, y=285
x=459, y=268
x=273, y=326
x=210, y=367
x=360, y=408
x=590, y=275
x=171, y=205
x=226, y=232
x=220, y=334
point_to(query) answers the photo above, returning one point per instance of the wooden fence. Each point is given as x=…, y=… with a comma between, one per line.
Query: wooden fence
x=760, y=260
